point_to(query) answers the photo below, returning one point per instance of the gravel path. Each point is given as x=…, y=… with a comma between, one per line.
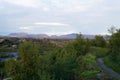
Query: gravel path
x=107, y=69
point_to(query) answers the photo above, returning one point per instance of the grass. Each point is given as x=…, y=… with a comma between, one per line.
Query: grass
x=89, y=73
x=99, y=52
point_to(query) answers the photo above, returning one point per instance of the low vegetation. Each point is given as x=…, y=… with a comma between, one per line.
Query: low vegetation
x=44, y=59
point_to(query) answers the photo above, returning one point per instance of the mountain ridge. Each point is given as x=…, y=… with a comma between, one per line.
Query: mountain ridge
x=41, y=36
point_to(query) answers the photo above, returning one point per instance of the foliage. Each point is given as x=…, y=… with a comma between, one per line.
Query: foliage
x=81, y=45
x=2, y=70
x=113, y=60
x=112, y=64
x=87, y=66
x=112, y=30
x=27, y=66
x=7, y=49
x=115, y=46
x=61, y=64
x=99, y=52
x=69, y=62
x=89, y=73
x=99, y=41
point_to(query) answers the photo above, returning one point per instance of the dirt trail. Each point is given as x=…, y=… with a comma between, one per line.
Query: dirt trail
x=107, y=69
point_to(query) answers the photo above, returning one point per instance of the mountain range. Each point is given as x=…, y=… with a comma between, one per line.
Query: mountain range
x=41, y=36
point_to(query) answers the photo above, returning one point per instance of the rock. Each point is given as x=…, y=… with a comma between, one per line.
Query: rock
x=100, y=76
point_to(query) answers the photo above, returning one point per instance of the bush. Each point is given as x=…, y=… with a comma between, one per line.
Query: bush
x=99, y=52
x=112, y=64
x=89, y=73
x=115, y=46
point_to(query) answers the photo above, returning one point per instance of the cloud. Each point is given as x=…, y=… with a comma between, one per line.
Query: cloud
x=25, y=28
x=46, y=9
x=74, y=5
x=1, y=7
x=94, y=1
x=81, y=8
x=57, y=5
x=51, y=24
x=58, y=33
x=112, y=8
x=104, y=33
x=52, y=16
x=1, y=1
x=25, y=3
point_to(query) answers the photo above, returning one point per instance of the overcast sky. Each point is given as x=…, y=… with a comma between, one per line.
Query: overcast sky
x=58, y=16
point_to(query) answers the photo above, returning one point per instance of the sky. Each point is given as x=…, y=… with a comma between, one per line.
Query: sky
x=57, y=17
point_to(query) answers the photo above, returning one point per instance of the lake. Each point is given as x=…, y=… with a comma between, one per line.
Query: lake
x=14, y=54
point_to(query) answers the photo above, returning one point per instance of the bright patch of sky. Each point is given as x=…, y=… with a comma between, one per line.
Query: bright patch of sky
x=58, y=16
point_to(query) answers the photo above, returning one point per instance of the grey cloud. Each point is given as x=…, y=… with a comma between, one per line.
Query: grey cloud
x=87, y=16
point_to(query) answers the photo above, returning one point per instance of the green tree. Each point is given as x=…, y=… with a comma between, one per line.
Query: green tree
x=112, y=30
x=26, y=67
x=115, y=46
x=81, y=45
x=99, y=41
x=61, y=64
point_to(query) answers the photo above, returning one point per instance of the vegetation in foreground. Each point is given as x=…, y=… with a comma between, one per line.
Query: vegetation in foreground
x=113, y=60
x=73, y=60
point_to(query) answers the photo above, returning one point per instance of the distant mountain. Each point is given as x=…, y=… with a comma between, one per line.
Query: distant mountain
x=67, y=36
x=19, y=35
x=25, y=35
x=89, y=36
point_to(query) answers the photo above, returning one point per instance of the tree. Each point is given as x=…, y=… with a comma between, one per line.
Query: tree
x=26, y=67
x=61, y=64
x=115, y=46
x=99, y=41
x=112, y=30
x=81, y=45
